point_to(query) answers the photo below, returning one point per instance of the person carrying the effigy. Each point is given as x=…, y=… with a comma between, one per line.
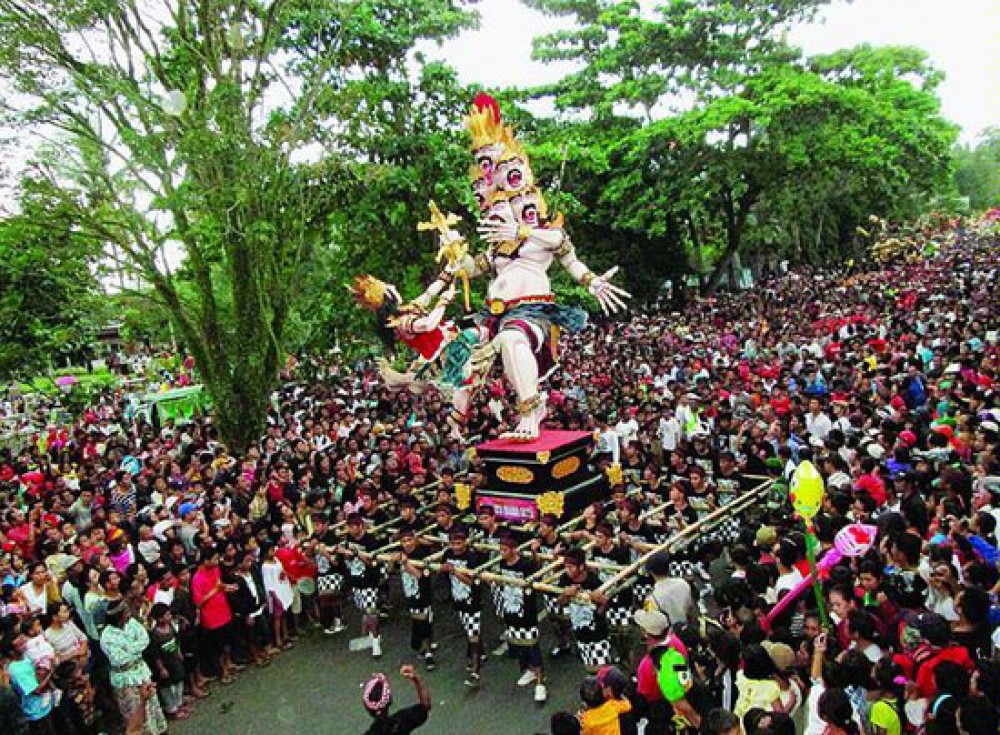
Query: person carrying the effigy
x=519, y=612
x=418, y=594
x=586, y=616
x=364, y=574
x=460, y=559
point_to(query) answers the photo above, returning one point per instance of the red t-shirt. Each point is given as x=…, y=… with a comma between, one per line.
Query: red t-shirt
x=647, y=683
x=216, y=611
x=21, y=535
x=925, y=674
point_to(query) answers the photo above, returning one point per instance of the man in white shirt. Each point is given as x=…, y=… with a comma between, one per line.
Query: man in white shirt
x=818, y=424
x=669, y=430
x=627, y=429
x=608, y=441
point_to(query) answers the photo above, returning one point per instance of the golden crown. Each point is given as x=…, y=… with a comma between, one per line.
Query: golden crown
x=368, y=291
x=485, y=129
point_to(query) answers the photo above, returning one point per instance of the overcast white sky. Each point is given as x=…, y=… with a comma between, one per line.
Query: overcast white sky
x=961, y=36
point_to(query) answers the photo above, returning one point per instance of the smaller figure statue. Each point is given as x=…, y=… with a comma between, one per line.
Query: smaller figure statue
x=443, y=349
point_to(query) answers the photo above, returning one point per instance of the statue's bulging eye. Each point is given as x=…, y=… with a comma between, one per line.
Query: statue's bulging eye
x=515, y=178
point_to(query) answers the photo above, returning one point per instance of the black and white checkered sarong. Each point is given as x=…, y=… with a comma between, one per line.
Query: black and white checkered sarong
x=329, y=584
x=595, y=654
x=472, y=623
x=522, y=636
x=619, y=616
x=366, y=600
x=642, y=589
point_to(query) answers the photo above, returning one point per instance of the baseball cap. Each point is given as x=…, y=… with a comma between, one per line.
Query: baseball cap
x=653, y=622
x=781, y=654
x=766, y=536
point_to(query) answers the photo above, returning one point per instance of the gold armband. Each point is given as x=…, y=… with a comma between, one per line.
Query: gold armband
x=523, y=232
x=565, y=247
x=482, y=263
x=587, y=278
x=529, y=405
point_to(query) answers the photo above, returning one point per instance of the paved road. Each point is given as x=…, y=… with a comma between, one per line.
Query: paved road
x=314, y=689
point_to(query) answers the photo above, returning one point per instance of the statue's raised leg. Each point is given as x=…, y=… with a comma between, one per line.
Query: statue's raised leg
x=521, y=369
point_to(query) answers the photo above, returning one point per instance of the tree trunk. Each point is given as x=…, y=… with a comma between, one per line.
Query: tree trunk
x=240, y=405
x=732, y=245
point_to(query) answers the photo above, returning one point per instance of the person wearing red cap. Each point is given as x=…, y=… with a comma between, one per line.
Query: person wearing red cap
x=871, y=484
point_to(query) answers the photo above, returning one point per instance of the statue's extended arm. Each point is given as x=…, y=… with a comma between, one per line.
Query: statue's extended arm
x=430, y=322
x=555, y=239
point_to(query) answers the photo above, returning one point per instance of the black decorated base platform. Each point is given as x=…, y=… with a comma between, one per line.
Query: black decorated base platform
x=553, y=468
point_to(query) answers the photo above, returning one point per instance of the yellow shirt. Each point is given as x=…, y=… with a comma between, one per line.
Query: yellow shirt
x=755, y=693
x=603, y=720
x=885, y=716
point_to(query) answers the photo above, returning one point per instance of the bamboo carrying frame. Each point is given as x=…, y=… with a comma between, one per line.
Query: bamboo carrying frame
x=542, y=580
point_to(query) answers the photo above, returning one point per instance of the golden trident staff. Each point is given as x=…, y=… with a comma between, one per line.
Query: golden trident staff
x=451, y=251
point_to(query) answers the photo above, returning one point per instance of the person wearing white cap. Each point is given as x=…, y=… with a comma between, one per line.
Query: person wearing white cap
x=667, y=660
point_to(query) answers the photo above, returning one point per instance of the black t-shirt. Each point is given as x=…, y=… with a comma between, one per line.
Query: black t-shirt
x=977, y=642
x=687, y=514
x=734, y=484
x=362, y=575
x=586, y=619
x=519, y=605
x=467, y=598
x=417, y=590
x=402, y=722
x=620, y=555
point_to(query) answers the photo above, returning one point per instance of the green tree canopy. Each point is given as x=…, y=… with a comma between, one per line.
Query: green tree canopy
x=227, y=129
x=721, y=137
x=48, y=273
x=977, y=171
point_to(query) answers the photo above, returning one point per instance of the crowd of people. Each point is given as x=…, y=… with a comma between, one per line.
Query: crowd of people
x=143, y=565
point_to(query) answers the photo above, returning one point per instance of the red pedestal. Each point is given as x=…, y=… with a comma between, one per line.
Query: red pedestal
x=556, y=465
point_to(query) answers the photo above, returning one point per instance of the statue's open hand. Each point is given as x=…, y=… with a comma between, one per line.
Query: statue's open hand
x=497, y=231
x=610, y=297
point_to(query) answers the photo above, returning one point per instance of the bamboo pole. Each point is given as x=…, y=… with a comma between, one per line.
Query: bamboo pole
x=686, y=533
x=339, y=525
x=624, y=578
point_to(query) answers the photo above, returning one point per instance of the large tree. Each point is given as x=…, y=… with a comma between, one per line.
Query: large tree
x=219, y=129
x=977, y=170
x=48, y=274
x=720, y=135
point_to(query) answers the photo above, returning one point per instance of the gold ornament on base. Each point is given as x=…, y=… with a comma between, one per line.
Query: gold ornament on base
x=463, y=495
x=551, y=502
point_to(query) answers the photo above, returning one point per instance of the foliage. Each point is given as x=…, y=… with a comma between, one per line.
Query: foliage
x=977, y=171
x=719, y=136
x=225, y=129
x=50, y=287
x=415, y=154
